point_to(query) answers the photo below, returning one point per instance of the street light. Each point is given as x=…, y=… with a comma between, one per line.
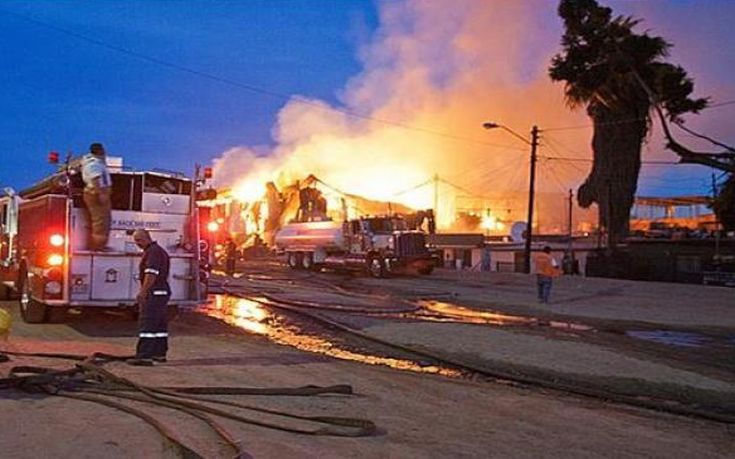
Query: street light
x=531, y=186
x=491, y=125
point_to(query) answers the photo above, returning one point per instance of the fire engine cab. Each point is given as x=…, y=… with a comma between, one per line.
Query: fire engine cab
x=44, y=233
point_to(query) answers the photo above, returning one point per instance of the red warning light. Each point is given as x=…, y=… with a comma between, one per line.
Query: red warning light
x=207, y=172
x=53, y=157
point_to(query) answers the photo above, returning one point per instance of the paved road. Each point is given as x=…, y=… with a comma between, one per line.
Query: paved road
x=419, y=414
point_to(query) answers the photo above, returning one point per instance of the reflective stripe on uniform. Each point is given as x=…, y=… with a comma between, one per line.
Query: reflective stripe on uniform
x=159, y=292
x=152, y=271
x=153, y=335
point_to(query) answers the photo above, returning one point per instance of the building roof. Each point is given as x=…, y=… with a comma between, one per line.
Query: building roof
x=458, y=240
x=672, y=201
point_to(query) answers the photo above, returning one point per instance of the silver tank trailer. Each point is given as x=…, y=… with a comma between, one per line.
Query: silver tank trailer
x=310, y=236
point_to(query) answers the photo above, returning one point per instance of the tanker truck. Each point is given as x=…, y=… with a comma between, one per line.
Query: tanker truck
x=380, y=246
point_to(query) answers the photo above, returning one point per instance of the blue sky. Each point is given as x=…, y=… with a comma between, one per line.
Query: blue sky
x=61, y=91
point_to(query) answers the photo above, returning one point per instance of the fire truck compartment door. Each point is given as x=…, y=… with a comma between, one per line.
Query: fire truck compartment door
x=165, y=203
x=180, y=278
x=113, y=277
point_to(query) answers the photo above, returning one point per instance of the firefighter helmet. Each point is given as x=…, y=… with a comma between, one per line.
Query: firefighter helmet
x=97, y=149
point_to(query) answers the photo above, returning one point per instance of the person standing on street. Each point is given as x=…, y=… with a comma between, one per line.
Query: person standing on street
x=547, y=268
x=230, y=256
x=152, y=302
x=97, y=190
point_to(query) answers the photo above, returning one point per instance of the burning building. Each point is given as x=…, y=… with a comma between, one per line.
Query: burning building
x=408, y=130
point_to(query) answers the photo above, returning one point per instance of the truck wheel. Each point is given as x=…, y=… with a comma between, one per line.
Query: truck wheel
x=294, y=260
x=5, y=293
x=32, y=311
x=307, y=261
x=56, y=314
x=376, y=267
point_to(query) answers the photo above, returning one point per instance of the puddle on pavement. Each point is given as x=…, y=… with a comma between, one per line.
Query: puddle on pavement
x=256, y=318
x=440, y=311
x=448, y=312
x=683, y=339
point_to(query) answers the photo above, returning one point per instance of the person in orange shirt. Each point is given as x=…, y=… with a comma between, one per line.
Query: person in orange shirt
x=547, y=268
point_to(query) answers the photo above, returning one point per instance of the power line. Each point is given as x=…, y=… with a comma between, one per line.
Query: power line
x=584, y=126
x=407, y=190
x=548, y=169
x=625, y=121
x=589, y=160
x=248, y=87
x=462, y=189
x=721, y=104
x=480, y=174
x=478, y=167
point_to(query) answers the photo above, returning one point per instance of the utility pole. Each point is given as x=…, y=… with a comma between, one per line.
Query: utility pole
x=531, y=186
x=717, y=220
x=436, y=194
x=531, y=197
x=609, y=241
x=569, y=222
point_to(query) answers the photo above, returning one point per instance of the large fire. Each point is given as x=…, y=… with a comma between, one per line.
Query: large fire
x=408, y=129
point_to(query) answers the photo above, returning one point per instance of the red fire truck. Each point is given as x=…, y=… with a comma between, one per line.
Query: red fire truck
x=45, y=229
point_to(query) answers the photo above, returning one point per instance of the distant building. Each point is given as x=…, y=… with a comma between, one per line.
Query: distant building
x=465, y=247
x=651, y=215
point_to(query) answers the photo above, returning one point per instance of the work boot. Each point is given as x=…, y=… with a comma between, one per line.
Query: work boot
x=160, y=359
x=140, y=362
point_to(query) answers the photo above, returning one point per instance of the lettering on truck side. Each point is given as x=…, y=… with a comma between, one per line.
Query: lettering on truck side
x=134, y=224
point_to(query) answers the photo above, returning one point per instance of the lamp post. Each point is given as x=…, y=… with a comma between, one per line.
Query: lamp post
x=531, y=186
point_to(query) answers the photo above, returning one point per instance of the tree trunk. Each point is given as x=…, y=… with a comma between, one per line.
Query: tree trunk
x=616, y=145
x=724, y=204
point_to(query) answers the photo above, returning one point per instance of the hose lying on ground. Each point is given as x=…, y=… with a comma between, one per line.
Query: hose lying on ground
x=88, y=381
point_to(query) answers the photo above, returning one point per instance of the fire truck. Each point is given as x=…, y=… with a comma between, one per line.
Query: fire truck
x=44, y=255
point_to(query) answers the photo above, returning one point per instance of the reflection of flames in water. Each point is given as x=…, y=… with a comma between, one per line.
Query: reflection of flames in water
x=446, y=312
x=451, y=312
x=254, y=317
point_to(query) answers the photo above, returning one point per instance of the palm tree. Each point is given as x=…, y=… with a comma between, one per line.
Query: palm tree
x=602, y=63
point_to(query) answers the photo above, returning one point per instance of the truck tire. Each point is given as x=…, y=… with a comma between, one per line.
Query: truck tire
x=294, y=260
x=307, y=261
x=32, y=311
x=56, y=314
x=5, y=293
x=376, y=267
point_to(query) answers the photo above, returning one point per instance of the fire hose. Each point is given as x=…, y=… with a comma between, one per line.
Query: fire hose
x=663, y=405
x=88, y=381
x=410, y=306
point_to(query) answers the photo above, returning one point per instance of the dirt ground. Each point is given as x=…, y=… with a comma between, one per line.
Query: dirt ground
x=417, y=414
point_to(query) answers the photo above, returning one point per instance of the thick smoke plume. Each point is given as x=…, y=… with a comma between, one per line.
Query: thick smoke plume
x=433, y=73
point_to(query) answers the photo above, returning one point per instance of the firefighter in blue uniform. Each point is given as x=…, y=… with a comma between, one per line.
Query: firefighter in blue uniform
x=152, y=301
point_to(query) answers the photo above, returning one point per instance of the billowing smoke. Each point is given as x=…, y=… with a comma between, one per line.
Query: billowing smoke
x=433, y=73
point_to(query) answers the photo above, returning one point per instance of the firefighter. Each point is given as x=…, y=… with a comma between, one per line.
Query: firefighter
x=230, y=256
x=152, y=302
x=97, y=189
